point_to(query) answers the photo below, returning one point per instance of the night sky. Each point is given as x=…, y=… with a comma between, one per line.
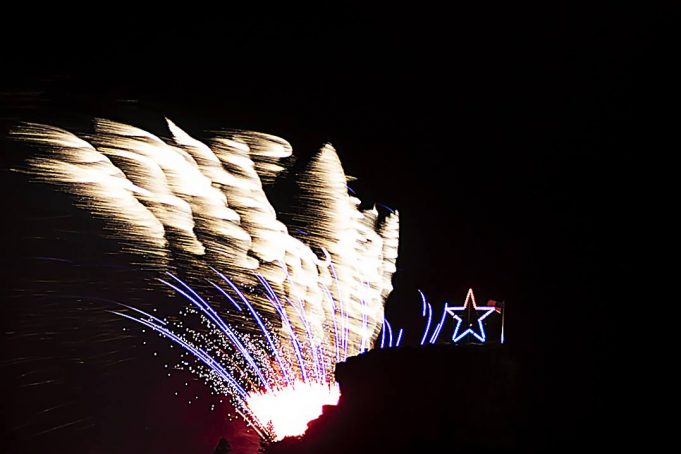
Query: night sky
x=496, y=132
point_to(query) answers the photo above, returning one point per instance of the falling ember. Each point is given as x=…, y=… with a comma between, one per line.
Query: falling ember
x=287, y=411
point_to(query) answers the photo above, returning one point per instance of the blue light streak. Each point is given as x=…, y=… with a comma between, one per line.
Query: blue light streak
x=438, y=327
x=399, y=337
x=329, y=298
x=423, y=313
x=213, y=316
x=282, y=314
x=383, y=334
x=285, y=372
x=227, y=295
x=390, y=333
x=344, y=315
x=301, y=313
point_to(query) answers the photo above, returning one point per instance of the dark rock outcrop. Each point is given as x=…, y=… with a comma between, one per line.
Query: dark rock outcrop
x=436, y=399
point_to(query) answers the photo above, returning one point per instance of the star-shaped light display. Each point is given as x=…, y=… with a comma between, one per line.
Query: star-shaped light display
x=472, y=314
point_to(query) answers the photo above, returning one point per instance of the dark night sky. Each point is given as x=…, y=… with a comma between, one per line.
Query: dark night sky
x=497, y=134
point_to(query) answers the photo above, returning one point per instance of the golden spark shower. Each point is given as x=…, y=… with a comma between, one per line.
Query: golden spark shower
x=263, y=309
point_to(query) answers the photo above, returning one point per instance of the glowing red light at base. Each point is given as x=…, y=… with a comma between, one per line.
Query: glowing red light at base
x=287, y=411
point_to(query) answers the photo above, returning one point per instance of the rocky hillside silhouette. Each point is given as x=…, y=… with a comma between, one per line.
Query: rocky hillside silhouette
x=436, y=399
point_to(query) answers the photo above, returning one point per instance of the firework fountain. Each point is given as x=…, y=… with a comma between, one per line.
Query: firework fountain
x=287, y=302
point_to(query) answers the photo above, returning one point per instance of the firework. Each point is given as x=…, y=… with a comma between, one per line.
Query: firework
x=297, y=299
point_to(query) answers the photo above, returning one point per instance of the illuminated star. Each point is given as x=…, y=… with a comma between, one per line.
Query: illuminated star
x=480, y=335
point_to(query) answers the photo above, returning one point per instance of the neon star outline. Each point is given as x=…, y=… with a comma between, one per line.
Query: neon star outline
x=456, y=337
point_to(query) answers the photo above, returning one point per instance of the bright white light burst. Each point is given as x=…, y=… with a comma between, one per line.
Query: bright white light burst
x=287, y=411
